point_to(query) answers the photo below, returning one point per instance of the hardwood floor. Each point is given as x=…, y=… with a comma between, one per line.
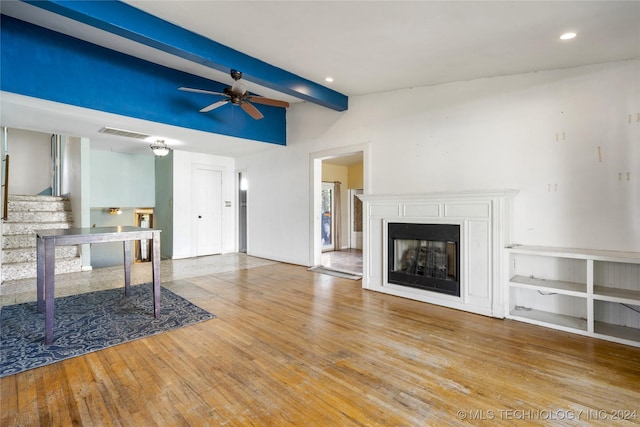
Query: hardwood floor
x=292, y=347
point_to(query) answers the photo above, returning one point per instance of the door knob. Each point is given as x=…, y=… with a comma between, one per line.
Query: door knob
x=199, y=216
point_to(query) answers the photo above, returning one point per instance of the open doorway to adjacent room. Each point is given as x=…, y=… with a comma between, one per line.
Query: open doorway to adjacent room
x=242, y=211
x=338, y=212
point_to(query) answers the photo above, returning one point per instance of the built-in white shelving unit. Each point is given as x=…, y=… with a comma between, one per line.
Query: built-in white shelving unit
x=589, y=292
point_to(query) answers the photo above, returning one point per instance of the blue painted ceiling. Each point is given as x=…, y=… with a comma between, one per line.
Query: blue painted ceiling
x=44, y=64
x=368, y=47
x=126, y=21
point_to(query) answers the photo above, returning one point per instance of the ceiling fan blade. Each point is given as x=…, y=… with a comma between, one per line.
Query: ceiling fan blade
x=268, y=101
x=214, y=106
x=188, y=89
x=251, y=110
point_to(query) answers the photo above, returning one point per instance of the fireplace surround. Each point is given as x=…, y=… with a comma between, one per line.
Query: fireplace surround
x=482, y=220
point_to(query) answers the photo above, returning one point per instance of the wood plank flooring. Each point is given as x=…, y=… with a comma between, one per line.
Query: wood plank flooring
x=295, y=348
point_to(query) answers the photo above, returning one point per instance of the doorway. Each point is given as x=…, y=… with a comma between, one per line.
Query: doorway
x=242, y=211
x=346, y=168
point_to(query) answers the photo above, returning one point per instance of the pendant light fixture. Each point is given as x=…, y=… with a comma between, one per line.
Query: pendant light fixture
x=159, y=148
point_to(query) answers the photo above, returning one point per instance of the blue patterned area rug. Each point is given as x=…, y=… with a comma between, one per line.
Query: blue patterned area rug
x=88, y=322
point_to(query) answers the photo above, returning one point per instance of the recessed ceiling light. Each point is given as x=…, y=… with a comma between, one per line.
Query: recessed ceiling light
x=567, y=36
x=328, y=79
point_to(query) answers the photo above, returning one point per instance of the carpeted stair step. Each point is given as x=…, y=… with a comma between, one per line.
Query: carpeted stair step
x=31, y=227
x=39, y=216
x=27, y=214
x=24, y=270
x=19, y=241
x=36, y=198
x=29, y=254
x=49, y=204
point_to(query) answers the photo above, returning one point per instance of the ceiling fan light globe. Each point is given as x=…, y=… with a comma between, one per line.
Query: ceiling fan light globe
x=239, y=87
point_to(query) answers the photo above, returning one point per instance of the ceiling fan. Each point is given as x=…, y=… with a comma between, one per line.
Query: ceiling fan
x=238, y=95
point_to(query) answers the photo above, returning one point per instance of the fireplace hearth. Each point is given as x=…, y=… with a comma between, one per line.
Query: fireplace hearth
x=424, y=256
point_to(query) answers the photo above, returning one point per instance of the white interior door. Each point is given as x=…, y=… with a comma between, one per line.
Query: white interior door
x=207, y=193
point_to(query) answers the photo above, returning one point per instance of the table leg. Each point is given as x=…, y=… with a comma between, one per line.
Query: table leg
x=127, y=267
x=155, y=260
x=49, y=288
x=40, y=273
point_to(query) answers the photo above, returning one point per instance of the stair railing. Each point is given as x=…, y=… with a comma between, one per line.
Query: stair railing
x=5, y=185
x=4, y=149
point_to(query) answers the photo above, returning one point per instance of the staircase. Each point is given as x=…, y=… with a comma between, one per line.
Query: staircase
x=26, y=215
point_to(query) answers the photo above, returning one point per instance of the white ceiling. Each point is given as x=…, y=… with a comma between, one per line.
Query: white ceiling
x=366, y=46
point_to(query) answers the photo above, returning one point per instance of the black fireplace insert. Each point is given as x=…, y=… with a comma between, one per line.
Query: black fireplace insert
x=425, y=256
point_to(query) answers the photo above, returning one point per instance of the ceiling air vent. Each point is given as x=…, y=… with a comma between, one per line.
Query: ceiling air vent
x=125, y=133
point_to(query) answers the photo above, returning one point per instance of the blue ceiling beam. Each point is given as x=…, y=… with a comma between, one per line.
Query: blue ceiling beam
x=126, y=21
x=45, y=64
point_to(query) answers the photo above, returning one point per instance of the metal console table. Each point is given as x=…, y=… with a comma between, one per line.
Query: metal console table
x=47, y=240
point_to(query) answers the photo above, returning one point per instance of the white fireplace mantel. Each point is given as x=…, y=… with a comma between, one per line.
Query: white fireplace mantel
x=484, y=218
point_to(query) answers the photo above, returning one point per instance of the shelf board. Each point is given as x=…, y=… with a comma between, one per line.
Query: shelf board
x=622, y=296
x=621, y=332
x=596, y=255
x=555, y=286
x=554, y=320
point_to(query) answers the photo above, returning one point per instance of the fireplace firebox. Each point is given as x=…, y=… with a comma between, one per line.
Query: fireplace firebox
x=425, y=256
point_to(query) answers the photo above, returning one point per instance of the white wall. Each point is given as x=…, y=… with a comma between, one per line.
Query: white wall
x=278, y=204
x=29, y=161
x=183, y=217
x=76, y=183
x=566, y=139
